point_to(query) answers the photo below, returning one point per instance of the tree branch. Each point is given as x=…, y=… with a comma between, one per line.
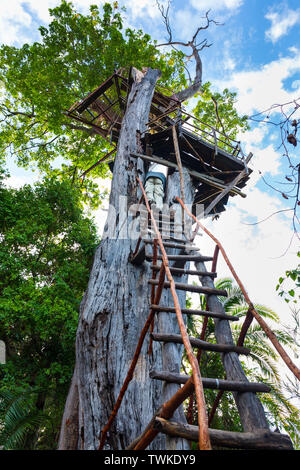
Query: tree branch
x=196, y=47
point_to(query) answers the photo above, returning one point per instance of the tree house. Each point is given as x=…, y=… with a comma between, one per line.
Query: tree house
x=213, y=159
x=127, y=282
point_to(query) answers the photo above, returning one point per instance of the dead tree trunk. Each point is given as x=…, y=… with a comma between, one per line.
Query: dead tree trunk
x=115, y=307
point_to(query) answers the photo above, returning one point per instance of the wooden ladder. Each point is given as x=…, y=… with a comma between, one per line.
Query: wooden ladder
x=256, y=433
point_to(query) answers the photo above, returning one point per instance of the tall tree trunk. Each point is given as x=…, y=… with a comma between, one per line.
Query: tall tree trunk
x=115, y=307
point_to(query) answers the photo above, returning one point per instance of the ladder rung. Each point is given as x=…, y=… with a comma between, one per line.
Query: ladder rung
x=191, y=288
x=165, y=235
x=156, y=216
x=198, y=343
x=178, y=240
x=191, y=272
x=175, y=245
x=186, y=257
x=261, y=439
x=159, y=223
x=215, y=384
x=223, y=316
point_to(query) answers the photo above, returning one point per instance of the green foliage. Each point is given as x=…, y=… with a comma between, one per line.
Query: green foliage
x=46, y=249
x=293, y=277
x=39, y=82
x=223, y=116
x=20, y=419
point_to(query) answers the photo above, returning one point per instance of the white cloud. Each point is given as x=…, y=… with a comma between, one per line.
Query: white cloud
x=142, y=8
x=254, y=250
x=185, y=23
x=260, y=88
x=257, y=90
x=17, y=16
x=282, y=20
x=216, y=4
x=13, y=18
x=265, y=158
x=295, y=85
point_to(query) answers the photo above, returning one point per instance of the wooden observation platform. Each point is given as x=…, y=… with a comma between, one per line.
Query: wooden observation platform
x=215, y=162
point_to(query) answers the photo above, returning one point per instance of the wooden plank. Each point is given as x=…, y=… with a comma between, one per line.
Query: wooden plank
x=121, y=103
x=224, y=161
x=258, y=440
x=198, y=343
x=163, y=224
x=194, y=258
x=190, y=272
x=94, y=94
x=187, y=311
x=195, y=174
x=175, y=245
x=163, y=216
x=165, y=235
x=211, y=383
x=192, y=288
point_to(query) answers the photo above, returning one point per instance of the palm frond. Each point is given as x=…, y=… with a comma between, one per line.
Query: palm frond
x=18, y=419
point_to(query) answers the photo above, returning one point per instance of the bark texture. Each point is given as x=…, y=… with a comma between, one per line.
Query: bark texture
x=115, y=307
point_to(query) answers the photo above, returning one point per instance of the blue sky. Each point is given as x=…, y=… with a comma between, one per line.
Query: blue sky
x=256, y=52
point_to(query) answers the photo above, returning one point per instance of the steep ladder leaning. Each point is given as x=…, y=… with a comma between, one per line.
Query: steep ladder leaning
x=257, y=434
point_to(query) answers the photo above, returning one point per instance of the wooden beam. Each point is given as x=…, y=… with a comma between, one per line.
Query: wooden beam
x=181, y=271
x=258, y=440
x=192, y=288
x=175, y=245
x=168, y=217
x=194, y=258
x=194, y=174
x=229, y=187
x=211, y=383
x=198, y=343
x=188, y=311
